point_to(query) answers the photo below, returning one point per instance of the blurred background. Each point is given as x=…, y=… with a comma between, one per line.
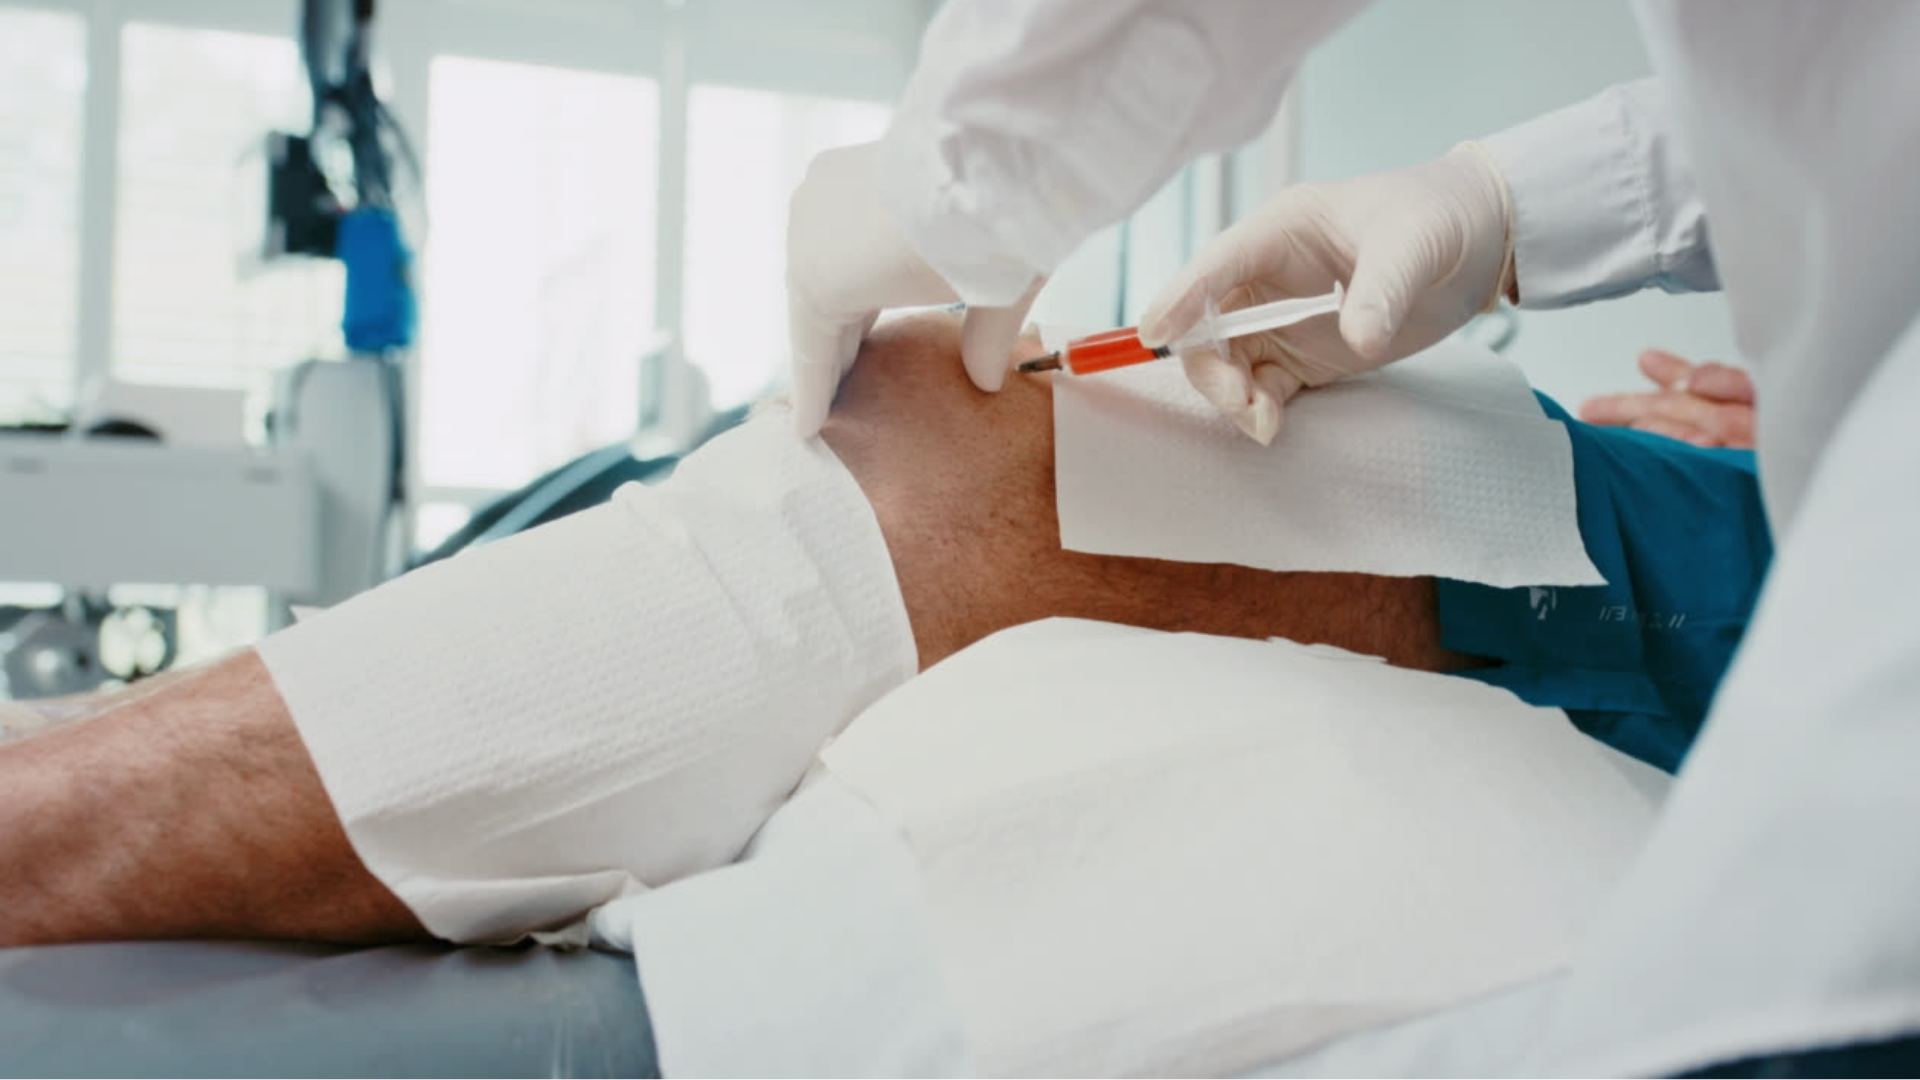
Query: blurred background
x=593, y=193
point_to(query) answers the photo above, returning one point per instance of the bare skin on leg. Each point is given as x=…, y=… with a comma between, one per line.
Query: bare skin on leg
x=191, y=812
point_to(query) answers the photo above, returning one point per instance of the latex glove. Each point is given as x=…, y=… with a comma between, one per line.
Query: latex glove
x=846, y=262
x=1420, y=250
x=1703, y=404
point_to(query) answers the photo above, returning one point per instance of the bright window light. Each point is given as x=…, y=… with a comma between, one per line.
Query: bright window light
x=539, y=280
x=196, y=106
x=746, y=150
x=43, y=77
x=434, y=522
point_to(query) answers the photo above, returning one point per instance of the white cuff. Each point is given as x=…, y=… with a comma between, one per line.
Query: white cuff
x=606, y=703
x=1602, y=202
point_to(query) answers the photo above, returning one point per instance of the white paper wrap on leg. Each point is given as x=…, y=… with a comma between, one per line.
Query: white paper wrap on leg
x=1440, y=464
x=1180, y=855
x=612, y=701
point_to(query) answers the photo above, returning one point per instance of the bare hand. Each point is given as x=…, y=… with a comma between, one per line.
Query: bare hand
x=1704, y=404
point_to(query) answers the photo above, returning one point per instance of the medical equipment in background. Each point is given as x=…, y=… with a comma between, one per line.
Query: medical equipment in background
x=344, y=420
x=91, y=511
x=1122, y=348
x=307, y=215
x=156, y=485
x=178, y=496
x=75, y=647
x=306, y=212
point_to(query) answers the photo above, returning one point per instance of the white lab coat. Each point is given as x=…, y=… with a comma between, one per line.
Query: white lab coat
x=1775, y=907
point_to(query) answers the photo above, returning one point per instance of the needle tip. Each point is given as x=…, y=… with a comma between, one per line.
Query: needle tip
x=1049, y=362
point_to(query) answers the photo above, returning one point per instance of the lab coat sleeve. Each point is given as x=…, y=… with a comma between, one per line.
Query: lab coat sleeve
x=1029, y=124
x=1773, y=908
x=1603, y=201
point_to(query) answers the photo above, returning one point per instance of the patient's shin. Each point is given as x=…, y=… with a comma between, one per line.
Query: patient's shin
x=607, y=703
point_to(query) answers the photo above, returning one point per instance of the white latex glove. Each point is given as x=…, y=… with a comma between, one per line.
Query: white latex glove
x=1420, y=250
x=846, y=262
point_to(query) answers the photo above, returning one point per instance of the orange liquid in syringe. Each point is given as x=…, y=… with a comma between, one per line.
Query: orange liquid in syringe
x=1113, y=349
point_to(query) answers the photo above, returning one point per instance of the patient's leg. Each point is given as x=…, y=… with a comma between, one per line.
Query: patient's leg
x=197, y=810
x=962, y=483
x=190, y=811
x=20, y=719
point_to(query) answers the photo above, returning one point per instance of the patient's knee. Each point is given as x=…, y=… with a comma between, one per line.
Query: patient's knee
x=962, y=484
x=908, y=395
x=960, y=481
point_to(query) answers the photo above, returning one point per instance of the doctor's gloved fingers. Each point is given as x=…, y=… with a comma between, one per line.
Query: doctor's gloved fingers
x=1223, y=264
x=1175, y=310
x=1394, y=263
x=814, y=345
x=812, y=396
x=1227, y=385
x=1250, y=397
x=823, y=352
x=987, y=336
x=1273, y=387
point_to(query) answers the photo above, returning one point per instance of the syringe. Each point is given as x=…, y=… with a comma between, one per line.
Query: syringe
x=1122, y=348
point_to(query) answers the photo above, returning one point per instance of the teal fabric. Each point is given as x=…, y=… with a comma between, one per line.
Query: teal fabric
x=1681, y=537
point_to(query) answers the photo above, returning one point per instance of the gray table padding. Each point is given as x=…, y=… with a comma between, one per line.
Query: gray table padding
x=244, y=1009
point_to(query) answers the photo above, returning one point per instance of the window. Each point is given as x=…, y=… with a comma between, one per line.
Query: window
x=435, y=522
x=43, y=76
x=746, y=151
x=538, y=295
x=194, y=105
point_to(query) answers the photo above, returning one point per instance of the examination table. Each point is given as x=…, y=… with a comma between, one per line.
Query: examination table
x=246, y=1009
x=257, y=1009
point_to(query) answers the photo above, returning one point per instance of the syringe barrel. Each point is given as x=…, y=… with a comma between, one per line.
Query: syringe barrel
x=1105, y=352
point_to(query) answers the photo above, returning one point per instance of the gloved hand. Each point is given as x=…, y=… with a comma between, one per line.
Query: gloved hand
x=1420, y=250
x=846, y=261
x=1704, y=404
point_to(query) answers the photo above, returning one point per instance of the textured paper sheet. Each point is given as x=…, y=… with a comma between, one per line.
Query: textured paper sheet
x=809, y=957
x=1161, y=854
x=611, y=701
x=1442, y=464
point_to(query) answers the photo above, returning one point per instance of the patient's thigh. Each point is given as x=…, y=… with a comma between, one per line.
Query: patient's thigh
x=962, y=483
